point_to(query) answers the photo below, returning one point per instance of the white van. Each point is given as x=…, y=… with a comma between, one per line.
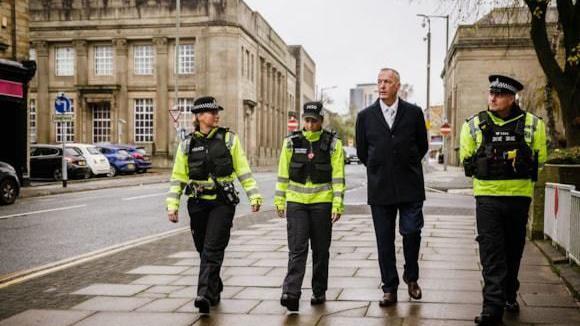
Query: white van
x=98, y=162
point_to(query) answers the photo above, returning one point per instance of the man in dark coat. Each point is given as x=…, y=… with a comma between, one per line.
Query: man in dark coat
x=391, y=140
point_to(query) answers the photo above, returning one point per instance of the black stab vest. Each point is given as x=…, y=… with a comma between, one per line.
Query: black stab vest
x=311, y=160
x=209, y=155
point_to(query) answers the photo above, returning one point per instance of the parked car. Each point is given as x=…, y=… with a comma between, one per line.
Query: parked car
x=9, y=184
x=97, y=162
x=46, y=162
x=119, y=159
x=139, y=154
x=350, y=155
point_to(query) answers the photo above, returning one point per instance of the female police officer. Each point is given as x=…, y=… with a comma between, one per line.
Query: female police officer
x=206, y=163
x=311, y=182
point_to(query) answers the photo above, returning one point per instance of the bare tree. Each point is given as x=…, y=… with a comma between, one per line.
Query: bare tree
x=564, y=80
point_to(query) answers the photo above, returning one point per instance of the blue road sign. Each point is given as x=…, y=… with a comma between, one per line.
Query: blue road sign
x=62, y=105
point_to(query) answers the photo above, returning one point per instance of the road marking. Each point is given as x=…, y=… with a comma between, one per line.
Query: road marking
x=146, y=196
x=41, y=211
x=21, y=276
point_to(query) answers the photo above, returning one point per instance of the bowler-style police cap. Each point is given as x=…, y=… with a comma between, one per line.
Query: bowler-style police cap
x=312, y=110
x=205, y=104
x=504, y=85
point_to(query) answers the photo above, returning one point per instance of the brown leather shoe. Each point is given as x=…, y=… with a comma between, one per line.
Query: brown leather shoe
x=389, y=299
x=414, y=290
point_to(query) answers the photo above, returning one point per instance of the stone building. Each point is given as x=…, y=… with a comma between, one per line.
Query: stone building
x=362, y=96
x=116, y=60
x=14, y=42
x=498, y=43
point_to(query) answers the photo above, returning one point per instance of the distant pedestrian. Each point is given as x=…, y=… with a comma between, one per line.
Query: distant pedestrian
x=502, y=148
x=310, y=193
x=206, y=164
x=391, y=140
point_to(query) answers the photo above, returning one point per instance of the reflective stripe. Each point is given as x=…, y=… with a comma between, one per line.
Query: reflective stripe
x=185, y=146
x=338, y=180
x=333, y=143
x=533, y=131
x=173, y=195
x=280, y=193
x=338, y=194
x=252, y=192
x=230, y=140
x=245, y=176
x=177, y=183
x=308, y=190
x=472, y=128
x=283, y=180
x=203, y=183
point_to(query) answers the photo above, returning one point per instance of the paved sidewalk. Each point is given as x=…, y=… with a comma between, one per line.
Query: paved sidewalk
x=154, y=284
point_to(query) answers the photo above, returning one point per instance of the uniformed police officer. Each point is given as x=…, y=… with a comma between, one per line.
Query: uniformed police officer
x=206, y=163
x=502, y=149
x=310, y=189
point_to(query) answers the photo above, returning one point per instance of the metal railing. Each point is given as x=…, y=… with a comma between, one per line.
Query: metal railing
x=574, y=252
x=557, y=213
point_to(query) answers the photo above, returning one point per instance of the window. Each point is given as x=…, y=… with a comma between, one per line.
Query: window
x=103, y=60
x=101, y=123
x=243, y=61
x=143, y=59
x=252, y=69
x=32, y=119
x=32, y=54
x=186, y=59
x=185, y=117
x=65, y=61
x=144, y=120
x=247, y=64
x=69, y=127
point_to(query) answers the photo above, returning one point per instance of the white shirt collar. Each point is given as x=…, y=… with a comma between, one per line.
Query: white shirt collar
x=384, y=106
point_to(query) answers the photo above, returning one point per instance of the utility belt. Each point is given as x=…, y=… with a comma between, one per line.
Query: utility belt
x=507, y=166
x=225, y=191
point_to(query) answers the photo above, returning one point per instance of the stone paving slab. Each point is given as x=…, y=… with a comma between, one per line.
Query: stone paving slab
x=45, y=318
x=112, y=304
x=141, y=319
x=125, y=290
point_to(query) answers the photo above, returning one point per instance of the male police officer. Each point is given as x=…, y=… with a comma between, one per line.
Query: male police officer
x=206, y=163
x=311, y=188
x=502, y=148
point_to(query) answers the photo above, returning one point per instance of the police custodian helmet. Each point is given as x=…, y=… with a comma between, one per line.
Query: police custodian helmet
x=504, y=85
x=205, y=104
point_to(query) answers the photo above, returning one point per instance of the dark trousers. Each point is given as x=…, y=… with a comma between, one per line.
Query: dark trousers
x=308, y=222
x=410, y=225
x=501, y=228
x=211, y=222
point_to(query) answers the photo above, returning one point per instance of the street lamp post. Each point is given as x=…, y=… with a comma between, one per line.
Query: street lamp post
x=427, y=22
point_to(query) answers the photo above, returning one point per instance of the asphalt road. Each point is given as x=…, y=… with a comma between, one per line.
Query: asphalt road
x=42, y=230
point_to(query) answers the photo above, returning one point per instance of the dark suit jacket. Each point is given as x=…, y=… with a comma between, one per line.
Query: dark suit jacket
x=392, y=156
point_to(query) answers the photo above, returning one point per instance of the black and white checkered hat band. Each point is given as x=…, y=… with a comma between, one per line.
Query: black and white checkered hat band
x=211, y=106
x=496, y=84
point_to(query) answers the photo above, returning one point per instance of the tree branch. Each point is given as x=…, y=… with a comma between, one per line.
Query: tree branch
x=542, y=46
x=565, y=12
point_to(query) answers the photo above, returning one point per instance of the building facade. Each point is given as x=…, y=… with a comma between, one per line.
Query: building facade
x=14, y=42
x=116, y=60
x=499, y=43
x=362, y=96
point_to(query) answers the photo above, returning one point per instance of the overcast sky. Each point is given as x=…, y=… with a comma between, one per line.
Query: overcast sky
x=351, y=40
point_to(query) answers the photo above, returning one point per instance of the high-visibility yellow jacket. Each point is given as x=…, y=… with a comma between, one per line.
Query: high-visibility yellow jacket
x=535, y=136
x=310, y=193
x=180, y=174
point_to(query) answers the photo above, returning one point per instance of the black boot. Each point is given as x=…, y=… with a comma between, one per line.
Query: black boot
x=513, y=307
x=203, y=304
x=317, y=299
x=291, y=303
x=485, y=319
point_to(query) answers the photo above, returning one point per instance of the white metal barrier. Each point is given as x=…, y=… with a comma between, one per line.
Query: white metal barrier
x=557, y=209
x=575, y=227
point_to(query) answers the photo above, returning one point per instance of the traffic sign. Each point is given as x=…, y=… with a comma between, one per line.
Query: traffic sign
x=62, y=105
x=445, y=129
x=292, y=124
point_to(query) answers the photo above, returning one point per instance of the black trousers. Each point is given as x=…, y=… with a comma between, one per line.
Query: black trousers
x=211, y=222
x=501, y=228
x=308, y=222
x=410, y=224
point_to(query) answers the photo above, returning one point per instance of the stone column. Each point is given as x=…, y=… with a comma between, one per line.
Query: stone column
x=268, y=111
x=83, y=127
x=43, y=107
x=122, y=79
x=161, y=124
